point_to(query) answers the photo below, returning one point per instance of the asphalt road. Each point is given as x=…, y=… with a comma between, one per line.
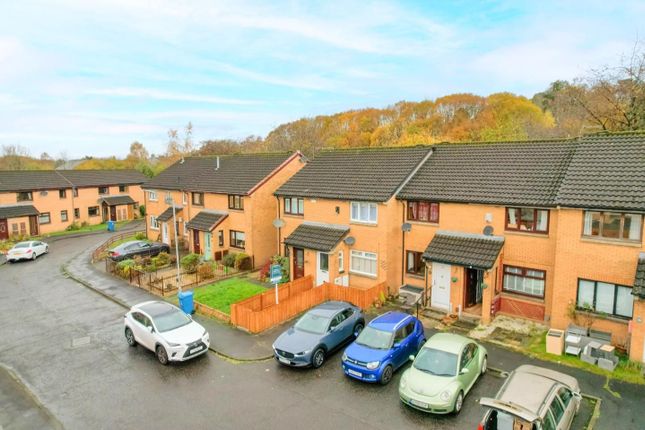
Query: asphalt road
x=66, y=343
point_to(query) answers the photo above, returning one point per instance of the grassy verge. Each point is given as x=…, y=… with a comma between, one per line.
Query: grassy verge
x=221, y=295
x=626, y=370
x=97, y=227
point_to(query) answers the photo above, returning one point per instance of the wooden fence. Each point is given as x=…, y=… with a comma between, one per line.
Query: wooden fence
x=260, y=312
x=96, y=254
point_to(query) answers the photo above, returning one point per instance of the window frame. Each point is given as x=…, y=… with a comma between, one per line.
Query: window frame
x=123, y=188
x=300, y=206
x=369, y=206
x=593, y=310
x=519, y=220
x=49, y=218
x=523, y=275
x=98, y=211
x=233, y=241
x=62, y=194
x=29, y=196
x=418, y=257
x=77, y=213
x=354, y=254
x=152, y=195
x=417, y=203
x=236, y=202
x=341, y=261
x=621, y=230
x=66, y=217
x=201, y=198
x=106, y=188
x=154, y=224
x=220, y=238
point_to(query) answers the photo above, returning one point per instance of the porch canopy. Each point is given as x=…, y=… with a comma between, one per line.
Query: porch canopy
x=464, y=249
x=117, y=200
x=206, y=220
x=317, y=236
x=167, y=214
x=639, y=281
x=15, y=211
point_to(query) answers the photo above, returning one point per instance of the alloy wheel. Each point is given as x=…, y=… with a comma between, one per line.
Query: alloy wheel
x=129, y=337
x=358, y=328
x=162, y=355
x=386, y=377
x=484, y=365
x=318, y=359
x=459, y=402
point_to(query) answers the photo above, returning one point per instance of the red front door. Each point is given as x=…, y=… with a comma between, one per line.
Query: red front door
x=112, y=213
x=33, y=225
x=298, y=263
x=4, y=229
x=196, y=248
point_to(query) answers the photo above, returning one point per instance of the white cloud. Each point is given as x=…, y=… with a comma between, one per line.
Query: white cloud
x=154, y=94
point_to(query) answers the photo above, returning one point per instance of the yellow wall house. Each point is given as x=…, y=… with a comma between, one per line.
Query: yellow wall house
x=222, y=203
x=340, y=220
x=41, y=202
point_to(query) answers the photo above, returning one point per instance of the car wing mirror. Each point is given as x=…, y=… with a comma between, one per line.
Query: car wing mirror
x=396, y=344
x=411, y=357
x=464, y=371
x=151, y=329
x=332, y=329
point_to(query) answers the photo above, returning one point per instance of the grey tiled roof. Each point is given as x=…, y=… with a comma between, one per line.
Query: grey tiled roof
x=639, y=280
x=13, y=211
x=606, y=172
x=206, y=220
x=462, y=249
x=372, y=174
x=117, y=200
x=237, y=174
x=27, y=180
x=509, y=173
x=167, y=214
x=321, y=237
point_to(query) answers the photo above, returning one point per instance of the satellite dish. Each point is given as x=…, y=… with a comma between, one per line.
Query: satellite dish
x=349, y=240
x=278, y=223
x=406, y=227
x=488, y=230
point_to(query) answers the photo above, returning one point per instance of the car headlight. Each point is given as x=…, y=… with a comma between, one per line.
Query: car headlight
x=300, y=354
x=173, y=345
x=373, y=365
x=344, y=357
x=445, y=396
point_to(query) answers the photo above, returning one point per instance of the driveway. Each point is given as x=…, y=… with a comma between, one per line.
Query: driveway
x=65, y=343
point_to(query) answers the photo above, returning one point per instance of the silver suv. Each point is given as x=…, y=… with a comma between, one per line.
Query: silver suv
x=533, y=398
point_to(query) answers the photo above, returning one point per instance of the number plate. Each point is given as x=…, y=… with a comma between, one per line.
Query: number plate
x=419, y=404
x=355, y=373
x=284, y=360
x=194, y=350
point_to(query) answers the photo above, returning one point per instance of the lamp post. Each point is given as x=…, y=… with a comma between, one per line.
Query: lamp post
x=171, y=201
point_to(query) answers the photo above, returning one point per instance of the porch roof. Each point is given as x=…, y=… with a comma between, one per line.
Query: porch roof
x=14, y=211
x=464, y=249
x=317, y=236
x=122, y=199
x=167, y=214
x=639, y=281
x=206, y=220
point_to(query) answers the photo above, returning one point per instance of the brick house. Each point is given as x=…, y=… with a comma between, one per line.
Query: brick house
x=222, y=203
x=44, y=201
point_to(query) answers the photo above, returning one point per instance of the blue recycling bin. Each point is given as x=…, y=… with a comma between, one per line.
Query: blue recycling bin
x=186, y=302
x=111, y=225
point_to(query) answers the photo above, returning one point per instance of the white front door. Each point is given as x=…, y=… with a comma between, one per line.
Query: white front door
x=322, y=269
x=440, y=286
x=165, y=237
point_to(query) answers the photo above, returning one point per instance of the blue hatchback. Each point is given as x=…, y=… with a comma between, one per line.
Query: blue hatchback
x=383, y=346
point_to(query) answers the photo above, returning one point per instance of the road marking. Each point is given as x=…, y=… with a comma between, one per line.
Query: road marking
x=80, y=341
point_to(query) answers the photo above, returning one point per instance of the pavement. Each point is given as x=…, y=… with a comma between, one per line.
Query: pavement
x=65, y=343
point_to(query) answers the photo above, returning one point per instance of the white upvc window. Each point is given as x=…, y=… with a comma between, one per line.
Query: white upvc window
x=154, y=224
x=364, y=212
x=341, y=262
x=363, y=263
x=184, y=198
x=152, y=196
x=168, y=196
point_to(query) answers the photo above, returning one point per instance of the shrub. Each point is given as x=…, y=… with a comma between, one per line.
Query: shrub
x=206, y=271
x=264, y=271
x=242, y=261
x=85, y=224
x=190, y=262
x=142, y=210
x=140, y=236
x=123, y=268
x=229, y=259
x=163, y=259
x=73, y=226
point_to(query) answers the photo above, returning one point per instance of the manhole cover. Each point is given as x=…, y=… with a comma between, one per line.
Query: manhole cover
x=80, y=341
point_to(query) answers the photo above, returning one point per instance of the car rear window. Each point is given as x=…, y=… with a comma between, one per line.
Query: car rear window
x=500, y=420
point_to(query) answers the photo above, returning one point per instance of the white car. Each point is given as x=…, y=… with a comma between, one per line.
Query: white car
x=166, y=330
x=27, y=251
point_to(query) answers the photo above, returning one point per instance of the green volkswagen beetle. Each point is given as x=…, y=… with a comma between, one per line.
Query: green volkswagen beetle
x=443, y=372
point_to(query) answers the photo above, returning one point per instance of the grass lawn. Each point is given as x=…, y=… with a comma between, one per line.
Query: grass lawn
x=125, y=239
x=221, y=294
x=96, y=227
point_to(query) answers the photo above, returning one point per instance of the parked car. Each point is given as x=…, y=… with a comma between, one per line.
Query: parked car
x=383, y=346
x=166, y=330
x=27, y=251
x=533, y=398
x=137, y=247
x=443, y=373
x=317, y=333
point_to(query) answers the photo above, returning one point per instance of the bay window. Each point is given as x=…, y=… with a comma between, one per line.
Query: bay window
x=363, y=263
x=525, y=281
x=613, y=225
x=364, y=212
x=527, y=219
x=605, y=298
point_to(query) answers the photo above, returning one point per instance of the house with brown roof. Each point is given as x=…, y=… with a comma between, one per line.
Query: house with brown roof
x=45, y=201
x=221, y=204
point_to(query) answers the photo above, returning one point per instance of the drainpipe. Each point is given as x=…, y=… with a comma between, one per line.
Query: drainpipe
x=403, y=249
x=279, y=228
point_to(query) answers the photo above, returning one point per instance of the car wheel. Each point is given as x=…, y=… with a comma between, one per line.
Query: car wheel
x=484, y=365
x=386, y=376
x=162, y=355
x=47, y=250
x=318, y=358
x=33, y=256
x=459, y=403
x=358, y=328
x=129, y=337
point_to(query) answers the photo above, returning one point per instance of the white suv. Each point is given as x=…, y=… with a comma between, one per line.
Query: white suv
x=166, y=330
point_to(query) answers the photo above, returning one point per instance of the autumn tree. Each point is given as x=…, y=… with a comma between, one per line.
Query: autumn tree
x=138, y=152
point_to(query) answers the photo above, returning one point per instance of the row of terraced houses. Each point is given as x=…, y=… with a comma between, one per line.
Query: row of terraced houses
x=533, y=229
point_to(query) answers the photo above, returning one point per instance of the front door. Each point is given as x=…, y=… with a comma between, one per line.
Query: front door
x=113, y=213
x=165, y=236
x=322, y=269
x=298, y=263
x=440, y=297
x=207, y=246
x=4, y=229
x=196, y=247
x=473, y=287
x=33, y=226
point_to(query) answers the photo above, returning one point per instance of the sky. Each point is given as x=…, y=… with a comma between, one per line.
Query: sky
x=84, y=77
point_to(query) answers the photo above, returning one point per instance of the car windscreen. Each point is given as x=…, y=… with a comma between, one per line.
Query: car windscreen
x=375, y=339
x=170, y=320
x=436, y=362
x=313, y=323
x=22, y=245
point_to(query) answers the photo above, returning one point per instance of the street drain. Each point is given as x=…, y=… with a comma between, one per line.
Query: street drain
x=80, y=341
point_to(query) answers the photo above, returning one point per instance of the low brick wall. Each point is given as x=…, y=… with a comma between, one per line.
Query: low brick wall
x=202, y=309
